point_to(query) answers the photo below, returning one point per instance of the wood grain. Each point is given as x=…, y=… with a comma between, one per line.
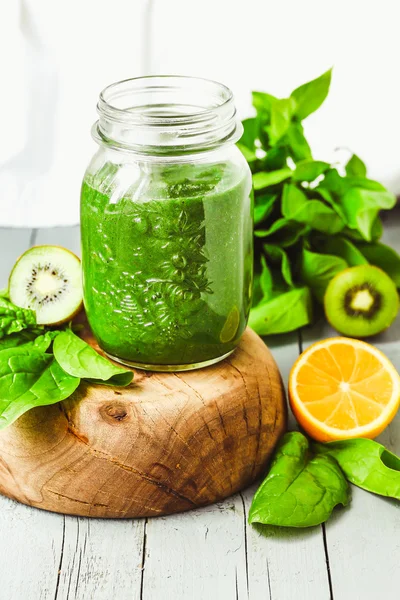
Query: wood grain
x=169, y=442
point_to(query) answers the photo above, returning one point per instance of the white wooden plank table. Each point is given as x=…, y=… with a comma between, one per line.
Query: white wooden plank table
x=210, y=553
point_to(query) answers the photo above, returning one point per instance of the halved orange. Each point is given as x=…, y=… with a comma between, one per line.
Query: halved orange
x=343, y=388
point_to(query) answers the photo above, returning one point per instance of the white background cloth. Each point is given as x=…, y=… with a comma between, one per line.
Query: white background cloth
x=55, y=57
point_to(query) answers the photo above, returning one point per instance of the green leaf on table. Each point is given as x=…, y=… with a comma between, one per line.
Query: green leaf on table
x=309, y=170
x=355, y=167
x=265, y=179
x=30, y=378
x=13, y=318
x=276, y=254
x=367, y=464
x=384, y=257
x=27, y=339
x=301, y=489
x=79, y=359
x=263, y=207
x=296, y=140
x=296, y=206
x=318, y=269
x=283, y=232
x=311, y=95
x=280, y=314
x=342, y=247
x=361, y=207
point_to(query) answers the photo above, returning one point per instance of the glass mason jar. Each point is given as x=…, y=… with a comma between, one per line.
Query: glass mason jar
x=166, y=221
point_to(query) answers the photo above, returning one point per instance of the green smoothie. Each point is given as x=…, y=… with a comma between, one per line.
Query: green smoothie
x=167, y=262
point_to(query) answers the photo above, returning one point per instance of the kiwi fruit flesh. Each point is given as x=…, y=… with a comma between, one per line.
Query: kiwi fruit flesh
x=361, y=301
x=48, y=280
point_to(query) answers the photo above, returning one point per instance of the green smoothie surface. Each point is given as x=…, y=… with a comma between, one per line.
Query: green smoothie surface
x=167, y=261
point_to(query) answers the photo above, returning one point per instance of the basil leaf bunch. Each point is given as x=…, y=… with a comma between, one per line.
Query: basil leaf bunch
x=40, y=366
x=312, y=219
x=302, y=487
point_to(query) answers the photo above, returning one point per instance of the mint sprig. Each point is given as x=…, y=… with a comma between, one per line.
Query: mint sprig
x=321, y=217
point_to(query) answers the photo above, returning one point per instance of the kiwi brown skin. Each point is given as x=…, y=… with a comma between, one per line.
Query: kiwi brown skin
x=80, y=307
x=368, y=334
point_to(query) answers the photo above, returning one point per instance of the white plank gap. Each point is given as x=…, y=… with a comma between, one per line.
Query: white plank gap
x=101, y=559
x=197, y=555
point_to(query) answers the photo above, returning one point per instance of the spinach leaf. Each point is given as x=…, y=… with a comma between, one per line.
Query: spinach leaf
x=13, y=318
x=30, y=378
x=318, y=269
x=367, y=464
x=79, y=359
x=28, y=339
x=265, y=179
x=18, y=339
x=263, y=207
x=300, y=490
x=309, y=170
x=355, y=167
x=278, y=255
x=342, y=247
x=311, y=95
x=296, y=206
x=384, y=257
x=286, y=312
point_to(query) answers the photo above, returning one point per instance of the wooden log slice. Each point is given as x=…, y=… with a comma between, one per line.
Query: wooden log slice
x=169, y=442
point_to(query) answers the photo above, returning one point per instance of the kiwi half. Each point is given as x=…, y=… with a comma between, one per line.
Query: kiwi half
x=48, y=280
x=361, y=301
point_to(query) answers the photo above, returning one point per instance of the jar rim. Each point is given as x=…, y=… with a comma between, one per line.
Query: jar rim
x=105, y=103
x=158, y=114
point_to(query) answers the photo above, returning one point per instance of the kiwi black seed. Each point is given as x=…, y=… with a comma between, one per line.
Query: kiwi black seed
x=47, y=279
x=361, y=301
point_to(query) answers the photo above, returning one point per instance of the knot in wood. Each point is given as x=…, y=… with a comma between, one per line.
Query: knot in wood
x=115, y=412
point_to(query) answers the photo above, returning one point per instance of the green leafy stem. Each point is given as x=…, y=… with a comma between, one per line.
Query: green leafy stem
x=312, y=219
